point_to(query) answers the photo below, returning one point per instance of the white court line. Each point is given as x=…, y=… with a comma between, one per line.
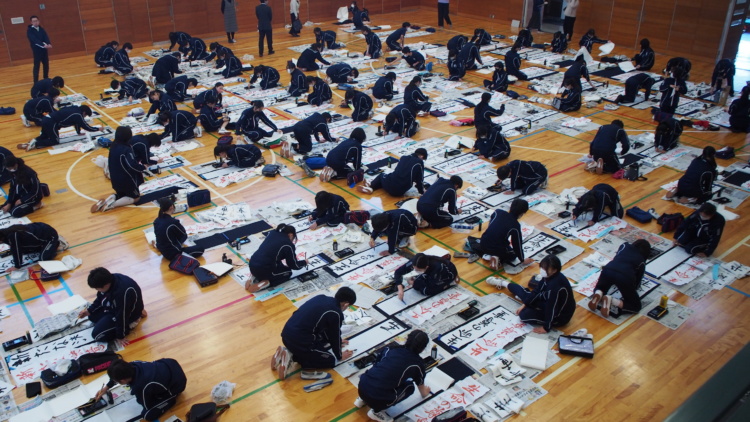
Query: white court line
x=273, y=161
x=96, y=108
x=598, y=344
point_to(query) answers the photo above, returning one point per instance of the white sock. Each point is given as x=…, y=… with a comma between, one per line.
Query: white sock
x=125, y=200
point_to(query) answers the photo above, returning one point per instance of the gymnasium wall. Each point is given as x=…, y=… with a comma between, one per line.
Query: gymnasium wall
x=691, y=28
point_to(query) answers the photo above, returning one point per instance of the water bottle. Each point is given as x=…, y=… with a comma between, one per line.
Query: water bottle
x=335, y=245
x=433, y=353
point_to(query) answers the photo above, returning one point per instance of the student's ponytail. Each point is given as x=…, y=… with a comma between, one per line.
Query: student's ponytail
x=164, y=205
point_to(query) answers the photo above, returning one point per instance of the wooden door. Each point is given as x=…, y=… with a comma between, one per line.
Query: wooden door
x=62, y=21
x=132, y=21
x=160, y=18
x=98, y=23
x=623, y=29
x=15, y=34
x=4, y=53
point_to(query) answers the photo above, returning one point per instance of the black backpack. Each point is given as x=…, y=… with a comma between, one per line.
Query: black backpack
x=92, y=363
x=633, y=173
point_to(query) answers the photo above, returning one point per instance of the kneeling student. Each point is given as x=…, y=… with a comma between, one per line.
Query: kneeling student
x=170, y=234
x=118, y=307
x=625, y=272
x=155, y=385
x=273, y=262
x=430, y=205
x=329, y=210
x=434, y=275
x=701, y=231
x=599, y=197
x=399, y=225
x=33, y=238
x=392, y=377
x=526, y=176
x=408, y=172
x=502, y=242
x=491, y=143
x=242, y=156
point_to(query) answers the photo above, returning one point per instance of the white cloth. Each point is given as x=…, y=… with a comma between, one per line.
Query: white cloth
x=572, y=8
x=294, y=7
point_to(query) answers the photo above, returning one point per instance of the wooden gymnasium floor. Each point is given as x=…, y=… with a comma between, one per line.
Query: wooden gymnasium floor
x=642, y=370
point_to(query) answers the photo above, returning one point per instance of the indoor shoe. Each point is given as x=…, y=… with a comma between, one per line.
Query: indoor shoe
x=404, y=242
x=276, y=359
x=497, y=282
x=198, y=132
x=461, y=254
x=606, y=301
x=365, y=189
x=473, y=258
x=318, y=385
x=599, y=166
x=25, y=120
x=98, y=205
x=285, y=363
x=256, y=287
x=379, y=416
x=308, y=171
x=314, y=375
x=31, y=145
x=595, y=298
x=359, y=403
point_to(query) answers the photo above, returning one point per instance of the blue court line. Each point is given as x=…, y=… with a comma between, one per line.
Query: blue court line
x=738, y=291
x=65, y=286
x=37, y=297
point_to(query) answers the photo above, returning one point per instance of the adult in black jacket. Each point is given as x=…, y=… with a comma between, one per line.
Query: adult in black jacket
x=395, y=41
x=130, y=88
x=40, y=43
x=698, y=180
x=398, y=225
x=321, y=92
x=155, y=385
x=273, y=262
x=526, y=176
x=347, y=155
x=645, y=59
x=121, y=61
x=326, y=38
x=408, y=172
x=65, y=117
x=179, y=38
x=118, y=306
x=667, y=135
x=177, y=87
x=361, y=104
x=578, y=70
x=105, y=55
x=589, y=39
x=484, y=112
x=739, y=112
x=142, y=145
x=161, y=102
x=297, y=85
x=551, y=304
x=435, y=275
x=170, y=234
x=701, y=231
x=125, y=173
x=242, y=156
x=269, y=77
x=415, y=98
x=469, y=56
x=45, y=85
x=502, y=240
x=570, y=100
x=599, y=197
x=212, y=95
x=374, y=46
x=36, y=108
x=491, y=143
x=499, y=80
x=5, y=174
x=603, y=147
x=341, y=73
x=166, y=67
x=671, y=89
x=384, y=87
x=306, y=61
x=402, y=119
x=413, y=58
x=198, y=50
x=329, y=210
x=312, y=335
x=314, y=125
x=264, y=14
x=249, y=123
x=625, y=272
x=179, y=125
x=430, y=205
x=513, y=63
x=633, y=84
x=481, y=37
x=25, y=239
x=394, y=373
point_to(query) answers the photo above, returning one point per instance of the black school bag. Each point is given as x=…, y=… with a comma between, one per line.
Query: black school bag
x=92, y=363
x=633, y=173
x=670, y=222
x=52, y=380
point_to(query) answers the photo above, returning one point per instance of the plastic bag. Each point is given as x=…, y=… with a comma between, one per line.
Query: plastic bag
x=222, y=392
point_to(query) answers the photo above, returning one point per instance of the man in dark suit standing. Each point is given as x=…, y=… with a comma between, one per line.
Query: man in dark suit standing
x=39, y=44
x=264, y=15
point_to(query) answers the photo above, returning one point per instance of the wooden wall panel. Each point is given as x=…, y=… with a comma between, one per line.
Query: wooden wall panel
x=390, y=6
x=246, y=21
x=375, y=7
x=4, y=53
x=133, y=23
x=324, y=10
x=594, y=14
x=304, y=13
x=656, y=23
x=190, y=16
x=15, y=34
x=98, y=23
x=62, y=22
x=160, y=18
x=623, y=29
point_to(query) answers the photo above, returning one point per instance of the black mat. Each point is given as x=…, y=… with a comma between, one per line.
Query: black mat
x=229, y=235
x=456, y=369
x=564, y=63
x=609, y=72
x=630, y=159
x=158, y=194
x=544, y=75
x=381, y=163
x=738, y=178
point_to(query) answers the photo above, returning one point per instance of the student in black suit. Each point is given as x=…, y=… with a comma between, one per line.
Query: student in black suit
x=39, y=45
x=265, y=15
